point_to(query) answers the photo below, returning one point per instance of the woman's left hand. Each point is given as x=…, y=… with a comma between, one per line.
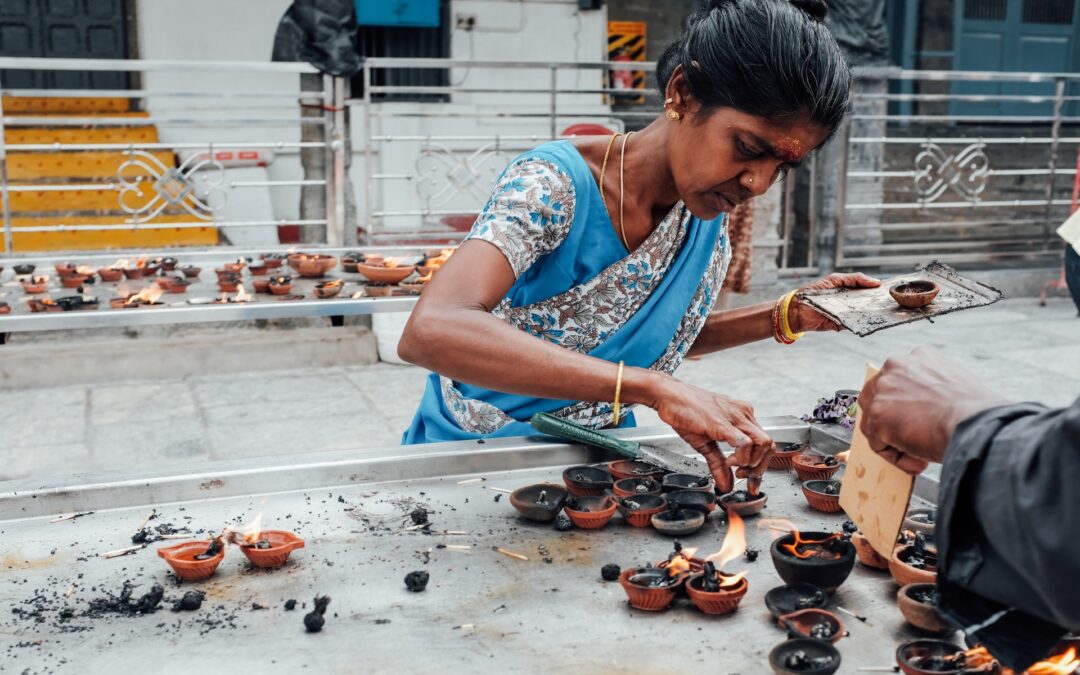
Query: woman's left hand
x=805, y=318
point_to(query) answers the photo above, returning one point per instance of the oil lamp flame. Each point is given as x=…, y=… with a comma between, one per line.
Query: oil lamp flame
x=978, y=658
x=734, y=542
x=242, y=295
x=149, y=295
x=391, y=263
x=679, y=562
x=244, y=535
x=781, y=527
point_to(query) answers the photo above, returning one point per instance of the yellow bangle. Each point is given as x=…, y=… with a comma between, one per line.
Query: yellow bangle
x=788, y=333
x=618, y=393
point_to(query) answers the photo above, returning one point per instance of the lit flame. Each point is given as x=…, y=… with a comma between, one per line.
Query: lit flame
x=84, y=270
x=224, y=297
x=424, y=279
x=120, y=264
x=390, y=262
x=140, y=263
x=733, y=546
x=242, y=295
x=780, y=527
x=244, y=535
x=679, y=563
x=1060, y=664
x=48, y=301
x=358, y=294
x=149, y=295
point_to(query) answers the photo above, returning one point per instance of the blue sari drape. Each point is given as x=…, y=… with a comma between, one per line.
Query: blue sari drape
x=590, y=247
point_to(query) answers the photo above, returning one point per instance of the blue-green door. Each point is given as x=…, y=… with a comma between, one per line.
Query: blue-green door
x=1014, y=35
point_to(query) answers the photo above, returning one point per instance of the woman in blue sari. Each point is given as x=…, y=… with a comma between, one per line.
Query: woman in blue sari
x=592, y=271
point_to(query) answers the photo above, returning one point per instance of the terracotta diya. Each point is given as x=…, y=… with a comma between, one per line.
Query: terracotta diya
x=804, y=656
x=590, y=513
x=812, y=466
x=651, y=589
x=194, y=560
x=631, y=468
x=540, y=502
x=820, y=624
x=930, y=657
x=867, y=555
x=714, y=592
x=272, y=548
x=917, y=602
x=630, y=487
x=385, y=273
x=743, y=503
x=913, y=564
x=784, y=454
x=587, y=481
x=822, y=495
x=638, y=510
x=914, y=294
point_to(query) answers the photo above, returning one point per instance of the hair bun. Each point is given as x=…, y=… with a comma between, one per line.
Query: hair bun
x=816, y=9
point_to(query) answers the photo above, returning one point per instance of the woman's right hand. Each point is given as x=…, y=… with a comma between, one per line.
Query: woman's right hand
x=704, y=419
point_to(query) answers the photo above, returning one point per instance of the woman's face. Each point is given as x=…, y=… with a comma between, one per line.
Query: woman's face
x=724, y=158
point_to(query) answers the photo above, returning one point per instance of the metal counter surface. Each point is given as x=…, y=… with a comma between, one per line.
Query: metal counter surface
x=481, y=611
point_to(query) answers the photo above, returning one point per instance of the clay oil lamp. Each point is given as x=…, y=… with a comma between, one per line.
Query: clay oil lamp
x=261, y=285
x=312, y=266
x=23, y=269
x=914, y=294
x=162, y=282
x=812, y=466
x=785, y=452
x=416, y=287
x=176, y=284
x=636, y=487
x=804, y=656
x=791, y=598
x=638, y=510
x=190, y=271
x=194, y=560
x=540, y=502
x=651, y=589
x=133, y=271
x=918, y=604
x=148, y=297
x=237, y=266
x=713, y=591
x=390, y=271
x=819, y=558
x=374, y=290
x=5, y=308
x=259, y=268
x=822, y=495
x=350, y=260
x=687, y=481
x=35, y=285
x=868, y=556
x=678, y=522
x=169, y=263
x=74, y=280
x=110, y=274
x=820, y=624
x=695, y=500
x=328, y=289
x=931, y=657
x=632, y=468
x=225, y=274
x=590, y=513
x=587, y=481
x=45, y=304
x=373, y=259
x=273, y=260
x=281, y=284
x=743, y=503
x=228, y=285
x=150, y=269
x=914, y=563
x=271, y=548
x=683, y=561
x=434, y=260
x=921, y=520
x=65, y=269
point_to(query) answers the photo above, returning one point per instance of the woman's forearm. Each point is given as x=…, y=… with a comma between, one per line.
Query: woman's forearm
x=733, y=327
x=472, y=346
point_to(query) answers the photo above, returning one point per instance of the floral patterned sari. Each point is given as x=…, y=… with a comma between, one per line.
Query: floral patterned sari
x=579, y=288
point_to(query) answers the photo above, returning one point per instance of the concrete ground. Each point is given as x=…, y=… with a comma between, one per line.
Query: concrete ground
x=1026, y=351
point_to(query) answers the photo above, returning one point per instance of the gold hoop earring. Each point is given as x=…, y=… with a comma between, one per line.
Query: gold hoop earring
x=673, y=115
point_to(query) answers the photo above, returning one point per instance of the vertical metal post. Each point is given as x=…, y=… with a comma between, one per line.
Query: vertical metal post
x=786, y=218
x=328, y=156
x=811, y=210
x=339, y=235
x=554, y=80
x=369, y=161
x=1055, y=135
x=8, y=240
x=841, y=199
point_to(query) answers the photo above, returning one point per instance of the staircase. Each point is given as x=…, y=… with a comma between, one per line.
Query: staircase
x=35, y=208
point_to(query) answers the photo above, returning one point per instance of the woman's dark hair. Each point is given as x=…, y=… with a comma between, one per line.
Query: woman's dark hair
x=770, y=58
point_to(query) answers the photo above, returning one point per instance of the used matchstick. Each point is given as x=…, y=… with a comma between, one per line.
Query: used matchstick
x=70, y=516
x=511, y=554
x=146, y=520
x=121, y=551
x=457, y=547
x=471, y=480
x=502, y=490
x=851, y=613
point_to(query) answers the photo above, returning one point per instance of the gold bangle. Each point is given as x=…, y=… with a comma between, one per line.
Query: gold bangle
x=788, y=333
x=618, y=393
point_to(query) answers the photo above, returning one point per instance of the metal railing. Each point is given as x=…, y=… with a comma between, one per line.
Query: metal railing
x=965, y=178
x=212, y=117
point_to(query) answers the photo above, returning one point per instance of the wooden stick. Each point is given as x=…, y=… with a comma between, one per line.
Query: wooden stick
x=146, y=520
x=848, y=611
x=177, y=536
x=471, y=480
x=511, y=554
x=70, y=516
x=465, y=626
x=454, y=532
x=457, y=547
x=121, y=551
x=879, y=669
x=505, y=492
x=410, y=528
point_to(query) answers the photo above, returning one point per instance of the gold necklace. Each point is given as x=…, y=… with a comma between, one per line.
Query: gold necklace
x=603, y=169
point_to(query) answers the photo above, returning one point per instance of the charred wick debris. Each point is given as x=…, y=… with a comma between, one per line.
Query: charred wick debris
x=314, y=620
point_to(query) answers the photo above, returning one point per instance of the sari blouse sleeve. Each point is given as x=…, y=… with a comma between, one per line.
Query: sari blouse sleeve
x=529, y=213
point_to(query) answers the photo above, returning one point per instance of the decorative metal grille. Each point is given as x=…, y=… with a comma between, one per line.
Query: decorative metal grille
x=966, y=172
x=1048, y=11
x=172, y=187
x=985, y=10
